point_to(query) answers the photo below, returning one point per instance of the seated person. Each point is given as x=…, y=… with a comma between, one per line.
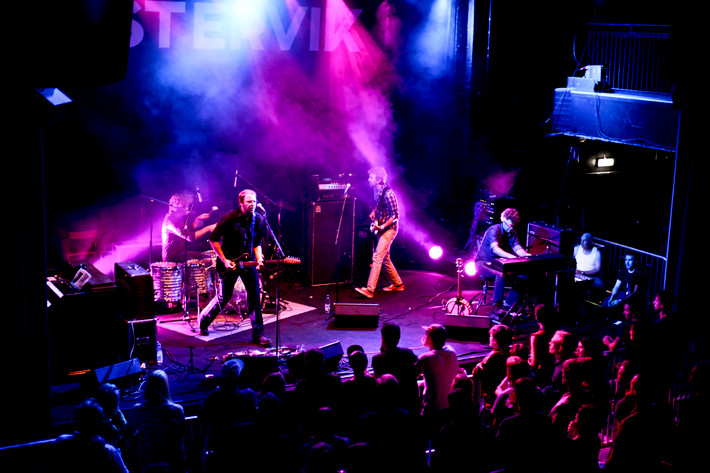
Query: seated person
x=629, y=286
x=589, y=260
x=500, y=241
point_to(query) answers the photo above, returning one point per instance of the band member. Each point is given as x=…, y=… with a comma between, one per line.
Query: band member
x=500, y=241
x=384, y=218
x=177, y=231
x=236, y=239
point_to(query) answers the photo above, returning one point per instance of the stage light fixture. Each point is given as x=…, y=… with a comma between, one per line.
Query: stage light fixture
x=436, y=252
x=605, y=162
x=469, y=268
x=54, y=96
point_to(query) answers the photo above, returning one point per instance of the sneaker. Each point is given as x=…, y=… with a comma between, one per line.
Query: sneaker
x=365, y=292
x=393, y=288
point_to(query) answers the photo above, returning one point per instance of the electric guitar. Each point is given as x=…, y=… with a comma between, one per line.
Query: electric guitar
x=458, y=305
x=375, y=231
x=243, y=262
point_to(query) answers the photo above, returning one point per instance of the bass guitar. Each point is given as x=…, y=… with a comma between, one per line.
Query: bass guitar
x=244, y=262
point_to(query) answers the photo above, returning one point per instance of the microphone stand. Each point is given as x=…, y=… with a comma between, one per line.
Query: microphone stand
x=279, y=254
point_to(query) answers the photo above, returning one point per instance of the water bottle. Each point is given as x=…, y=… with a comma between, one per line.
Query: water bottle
x=158, y=353
x=327, y=304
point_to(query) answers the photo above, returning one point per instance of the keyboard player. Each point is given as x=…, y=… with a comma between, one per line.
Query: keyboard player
x=501, y=241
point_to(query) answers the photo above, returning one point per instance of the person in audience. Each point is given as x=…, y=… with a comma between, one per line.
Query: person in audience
x=592, y=350
x=490, y=371
x=85, y=451
x=464, y=436
x=318, y=388
x=642, y=441
x=580, y=452
x=541, y=360
x=561, y=346
x=576, y=394
x=157, y=424
x=359, y=392
x=114, y=428
x=325, y=431
x=396, y=436
x=399, y=362
x=222, y=411
x=693, y=421
x=503, y=406
x=438, y=366
x=523, y=441
x=620, y=340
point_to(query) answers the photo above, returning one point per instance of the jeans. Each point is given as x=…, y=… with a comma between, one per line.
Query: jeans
x=380, y=258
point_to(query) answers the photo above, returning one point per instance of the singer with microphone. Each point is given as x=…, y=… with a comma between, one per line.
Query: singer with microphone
x=385, y=225
x=179, y=228
x=236, y=239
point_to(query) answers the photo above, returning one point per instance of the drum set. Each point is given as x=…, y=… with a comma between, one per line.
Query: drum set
x=194, y=283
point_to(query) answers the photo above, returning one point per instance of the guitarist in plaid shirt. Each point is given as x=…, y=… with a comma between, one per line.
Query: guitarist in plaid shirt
x=384, y=218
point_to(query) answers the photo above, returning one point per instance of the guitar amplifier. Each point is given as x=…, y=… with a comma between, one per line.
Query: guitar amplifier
x=546, y=238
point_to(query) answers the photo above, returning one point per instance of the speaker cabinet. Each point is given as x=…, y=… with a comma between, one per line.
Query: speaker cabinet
x=351, y=315
x=135, y=291
x=467, y=327
x=331, y=241
x=544, y=238
x=143, y=339
x=256, y=368
x=119, y=371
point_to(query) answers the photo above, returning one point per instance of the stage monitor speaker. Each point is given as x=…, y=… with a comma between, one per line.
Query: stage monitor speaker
x=119, y=371
x=136, y=296
x=544, y=238
x=352, y=315
x=467, y=327
x=333, y=353
x=328, y=221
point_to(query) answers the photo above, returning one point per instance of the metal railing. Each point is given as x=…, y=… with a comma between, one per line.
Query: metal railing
x=635, y=57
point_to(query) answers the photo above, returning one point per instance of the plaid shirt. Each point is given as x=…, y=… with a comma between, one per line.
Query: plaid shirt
x=387, y=207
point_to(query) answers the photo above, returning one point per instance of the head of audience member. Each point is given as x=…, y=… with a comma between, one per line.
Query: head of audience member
x=89, y=417
x=630, y=312
x=562, y=345
x=500, y=337
x=230, y=374
x=109, y=397
x=462, y=382
x=630, y=262
x=516, y=368
x=387, y=391
x=587, y=423
x=574, y=373
x=624, y=373
x=358, y=362
x=663, y=303
x=527, y=395
x=390, y=336
x=274, y=383
x=435, y=336
x=589, y=347
x=156, y=387
x=314, y=361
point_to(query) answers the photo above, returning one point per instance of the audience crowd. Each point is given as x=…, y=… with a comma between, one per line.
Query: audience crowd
x=547, y=404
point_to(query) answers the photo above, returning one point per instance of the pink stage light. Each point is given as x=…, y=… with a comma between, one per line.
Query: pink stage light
x=469, y=268
x=436, y=252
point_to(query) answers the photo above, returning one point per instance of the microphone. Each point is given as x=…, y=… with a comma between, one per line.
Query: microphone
x=236, y=175
x=346, y=189
x=199, y=196
x=260, y=207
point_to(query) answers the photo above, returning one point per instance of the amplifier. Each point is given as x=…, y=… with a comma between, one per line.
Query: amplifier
x=546, y=238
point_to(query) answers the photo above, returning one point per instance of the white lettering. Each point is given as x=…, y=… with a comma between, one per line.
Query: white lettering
x=333, y=36
x=285, y=38
x=164, y=9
